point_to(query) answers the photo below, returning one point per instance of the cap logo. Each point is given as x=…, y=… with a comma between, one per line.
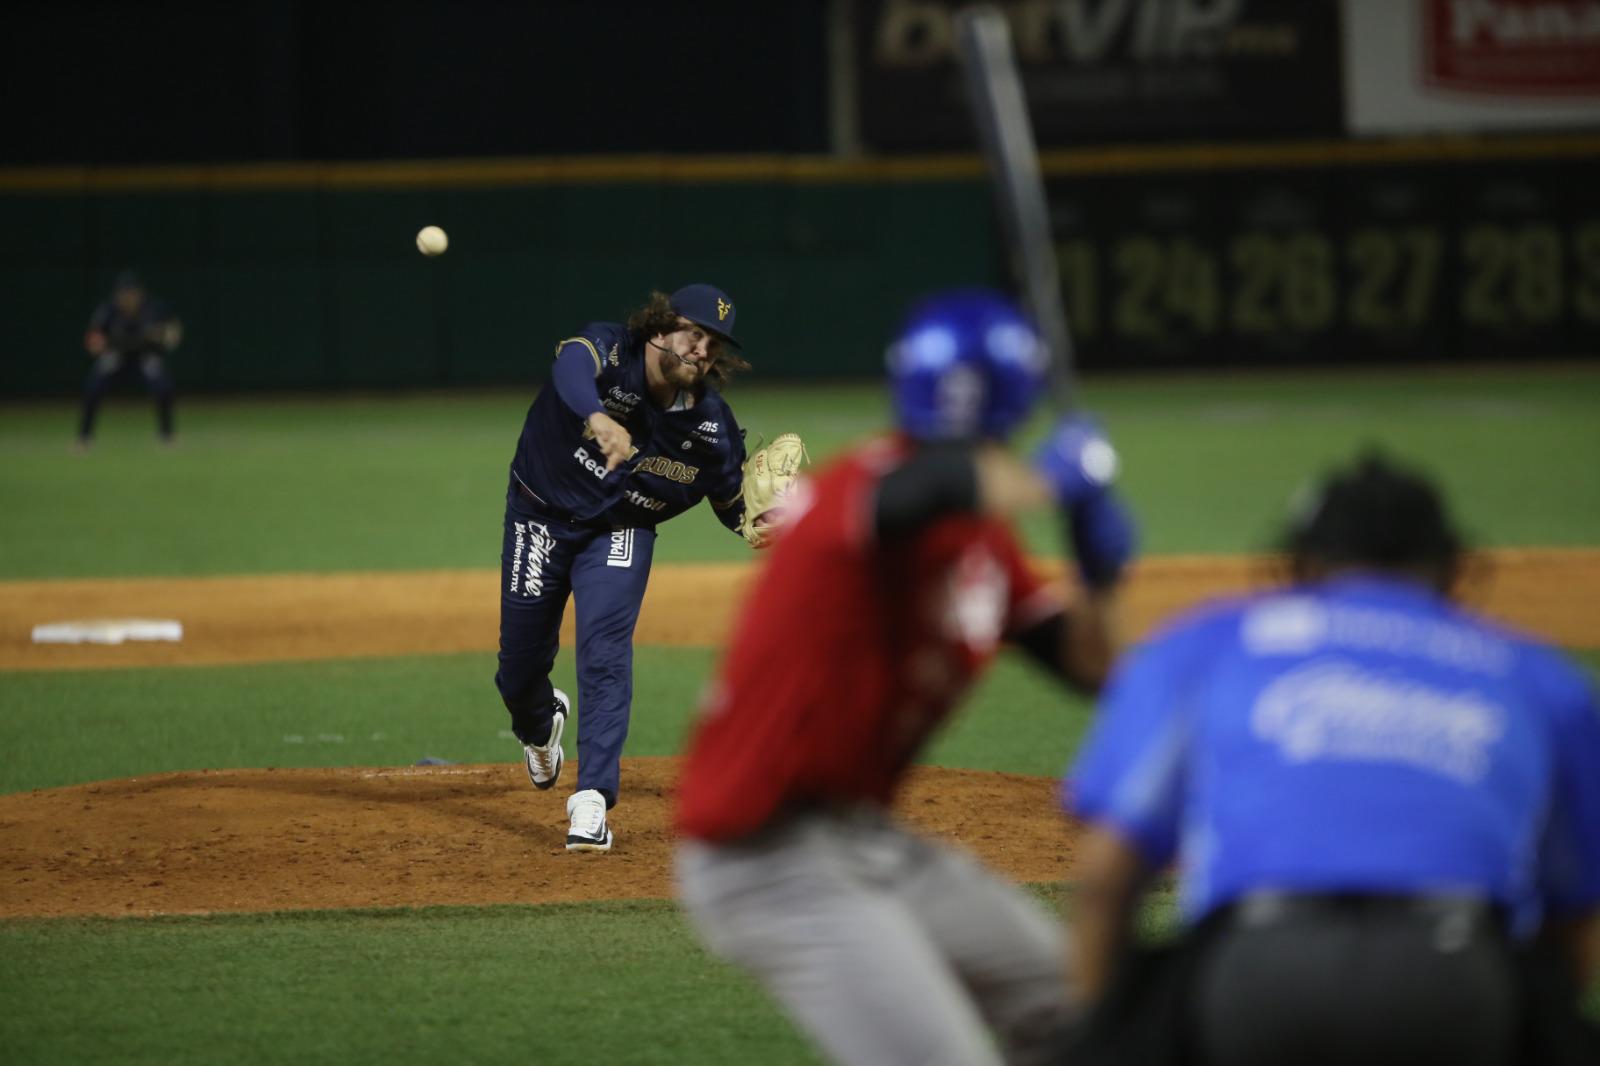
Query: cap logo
x=723, y=307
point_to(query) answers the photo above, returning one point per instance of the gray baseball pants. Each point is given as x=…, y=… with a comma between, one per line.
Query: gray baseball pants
x=885, y=947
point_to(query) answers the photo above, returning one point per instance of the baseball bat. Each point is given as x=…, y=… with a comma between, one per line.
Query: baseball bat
x=1000, y=111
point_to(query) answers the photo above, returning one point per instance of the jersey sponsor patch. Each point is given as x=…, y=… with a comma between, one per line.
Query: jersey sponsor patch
x=639, y=499
x=587, y=461
x=530, y=554
x=1334, y=710
x=1302, y=625
x=621, y=550
x=619, y=399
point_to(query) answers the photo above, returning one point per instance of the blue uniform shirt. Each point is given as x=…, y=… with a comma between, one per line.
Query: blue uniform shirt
x=683, y=456
x=1362, y=735
x=144, y=330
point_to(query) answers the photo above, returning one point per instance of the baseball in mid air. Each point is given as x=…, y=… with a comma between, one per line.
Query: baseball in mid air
x=431, y=240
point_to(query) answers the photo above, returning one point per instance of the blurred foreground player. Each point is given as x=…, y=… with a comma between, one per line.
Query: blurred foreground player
x=631, y=433
x=129, y=331
x=895, y=581
x=1373, y=798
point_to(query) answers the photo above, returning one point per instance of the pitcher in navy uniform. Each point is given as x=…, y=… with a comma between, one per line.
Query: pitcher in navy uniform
x=629, y=436
x=1384, y=809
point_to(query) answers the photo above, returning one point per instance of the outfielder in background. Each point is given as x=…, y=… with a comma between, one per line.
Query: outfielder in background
x=629, y=436
x=895, y=581
x=129, y=331
x=1372, y=797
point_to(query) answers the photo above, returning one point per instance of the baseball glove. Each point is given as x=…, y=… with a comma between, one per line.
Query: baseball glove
x=769, y=474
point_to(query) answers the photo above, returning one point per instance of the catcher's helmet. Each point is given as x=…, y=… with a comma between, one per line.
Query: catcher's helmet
x=967, y=363
x=1373, y=514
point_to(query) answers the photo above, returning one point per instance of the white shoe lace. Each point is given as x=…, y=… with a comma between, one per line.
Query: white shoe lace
x=589, y=817
x=544, y=758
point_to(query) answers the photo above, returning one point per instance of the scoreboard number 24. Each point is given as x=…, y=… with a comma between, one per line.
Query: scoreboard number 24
x=1379, y=279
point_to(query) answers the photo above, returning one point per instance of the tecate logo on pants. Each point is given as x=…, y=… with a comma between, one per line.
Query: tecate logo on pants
x=534, y=540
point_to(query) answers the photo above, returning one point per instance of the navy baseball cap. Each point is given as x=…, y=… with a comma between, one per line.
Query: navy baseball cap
x=706, y=306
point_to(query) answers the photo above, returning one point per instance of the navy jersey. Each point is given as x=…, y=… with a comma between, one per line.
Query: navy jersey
x=1362, y=735
x=682, y=457
x=145, y=329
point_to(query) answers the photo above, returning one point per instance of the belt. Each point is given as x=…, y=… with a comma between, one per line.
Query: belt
x=1262, y=909
x=545, y=509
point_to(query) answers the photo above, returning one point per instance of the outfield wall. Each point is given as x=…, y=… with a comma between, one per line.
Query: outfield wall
x=305, y=276
x=321, y=285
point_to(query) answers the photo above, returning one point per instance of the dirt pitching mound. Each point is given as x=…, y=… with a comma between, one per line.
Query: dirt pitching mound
x=266, y=840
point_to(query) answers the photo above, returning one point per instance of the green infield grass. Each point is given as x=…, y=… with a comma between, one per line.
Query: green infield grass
x=610, y=982
x=73, y=727
x=619, y=982
x=412, y=482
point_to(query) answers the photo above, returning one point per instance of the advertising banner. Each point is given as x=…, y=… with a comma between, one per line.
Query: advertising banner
x=1418, y=66
x=1100, y=71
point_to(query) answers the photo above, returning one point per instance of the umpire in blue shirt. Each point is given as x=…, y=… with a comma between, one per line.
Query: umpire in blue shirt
x=1384, y=812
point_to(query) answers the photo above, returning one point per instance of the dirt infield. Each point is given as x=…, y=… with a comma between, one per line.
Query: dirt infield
x=257, y=840
x=265, y=840
x=1553, y=592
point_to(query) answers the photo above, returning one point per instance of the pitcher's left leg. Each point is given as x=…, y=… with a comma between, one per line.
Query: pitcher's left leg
x=608, y=583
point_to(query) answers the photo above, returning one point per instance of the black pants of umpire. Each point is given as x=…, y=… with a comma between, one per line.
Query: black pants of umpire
x=1363, y=980
x=150, y=364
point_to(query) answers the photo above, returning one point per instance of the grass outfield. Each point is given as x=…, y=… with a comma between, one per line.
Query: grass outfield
x=407, y=482
x=410, y=482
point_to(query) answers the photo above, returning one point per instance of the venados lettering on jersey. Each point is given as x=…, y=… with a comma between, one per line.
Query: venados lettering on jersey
x=587, y=462
x=670, y=469
x=639, y=499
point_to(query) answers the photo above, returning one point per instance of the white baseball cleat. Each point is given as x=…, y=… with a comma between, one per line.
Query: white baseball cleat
x=588, y=831
x=544, y=760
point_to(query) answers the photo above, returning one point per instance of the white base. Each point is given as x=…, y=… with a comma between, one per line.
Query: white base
x=108, y=631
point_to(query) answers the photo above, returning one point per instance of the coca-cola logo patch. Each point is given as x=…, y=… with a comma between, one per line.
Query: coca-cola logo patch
x=1519, y=47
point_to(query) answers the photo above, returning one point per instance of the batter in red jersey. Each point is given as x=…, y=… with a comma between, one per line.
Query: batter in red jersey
x=896, y=580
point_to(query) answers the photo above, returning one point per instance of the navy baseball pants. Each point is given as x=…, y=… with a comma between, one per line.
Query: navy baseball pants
x=108, y=367
x=543, y=560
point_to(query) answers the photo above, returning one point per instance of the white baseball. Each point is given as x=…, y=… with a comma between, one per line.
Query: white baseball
x=431, y=240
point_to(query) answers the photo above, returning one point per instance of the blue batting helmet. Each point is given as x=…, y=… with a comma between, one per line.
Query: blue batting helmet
x=967, y=363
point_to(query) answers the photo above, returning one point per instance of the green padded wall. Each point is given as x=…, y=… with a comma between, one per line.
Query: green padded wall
x=323, y=288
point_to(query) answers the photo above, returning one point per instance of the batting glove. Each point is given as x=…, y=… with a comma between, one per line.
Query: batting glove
x=1079, y=465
